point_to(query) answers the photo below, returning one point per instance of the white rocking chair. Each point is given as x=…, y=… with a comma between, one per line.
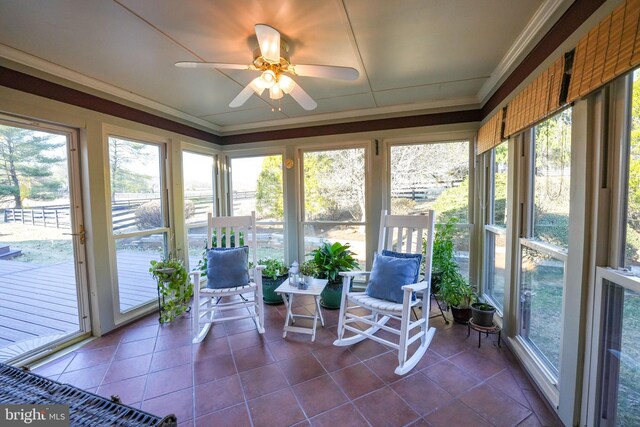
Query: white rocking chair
x=410, y=230
x=230, y=231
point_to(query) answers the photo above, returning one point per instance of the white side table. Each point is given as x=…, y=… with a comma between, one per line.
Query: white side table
x=289, y=293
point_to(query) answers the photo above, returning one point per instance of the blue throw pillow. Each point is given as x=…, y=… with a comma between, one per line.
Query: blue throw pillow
x=406, y=255
x=388, y=276
x=227, y=267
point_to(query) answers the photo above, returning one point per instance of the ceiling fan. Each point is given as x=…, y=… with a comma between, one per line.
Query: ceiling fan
x=272, y=60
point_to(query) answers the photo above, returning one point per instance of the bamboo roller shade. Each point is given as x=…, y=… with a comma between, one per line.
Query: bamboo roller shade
x=610, y=49
x=536, y=101
x=490, y=133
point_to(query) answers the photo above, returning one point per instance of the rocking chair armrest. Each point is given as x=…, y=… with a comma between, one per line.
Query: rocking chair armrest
x=260, y=267
x=353, y=273
x=416, y=287
x=198, y=276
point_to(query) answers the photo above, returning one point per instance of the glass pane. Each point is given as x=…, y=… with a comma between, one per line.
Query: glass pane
x=431, y=176
x=462, y=248
x=315, y=235
x=136, y=186
x=257, y=186
x=38, y=291
x=496, y=260
x=620, y=395
x=334, y=185
x=552, y=179
x=632, y=238
x=270, y=241
x=133, y=254
x=541, y=291
x=500, y=167
x=196, y=244
x=198, y=181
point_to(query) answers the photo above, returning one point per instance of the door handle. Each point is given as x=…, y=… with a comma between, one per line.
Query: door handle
x=80, y=233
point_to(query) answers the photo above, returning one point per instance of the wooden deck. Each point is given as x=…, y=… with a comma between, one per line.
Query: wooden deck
x=38, y=303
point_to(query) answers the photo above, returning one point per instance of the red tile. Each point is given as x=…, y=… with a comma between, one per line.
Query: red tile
x=135, y=348
x=476, y=364
x=357, y=380
x=167, y=342
x=282, y=349
x=275, y=409
x=345, y=415
x=456, y=414
x=89, y=358
x=260, y=381
x=246, y=339
x=140, y=333
x=216, y=395
x=252, y=357
x=84, y=378
x=451, y=378
x=505, y=382
x=170, y=358
x=169, y=380
x=423, y=395
x=494, y=406
x=319, y=395
x=127, y=368
x=107, y=340
x=210, y=347
x=129, y=391
x=301, y=369
x=213, y=368
x=55, y=367
x=234, y=416
x=179, y=403
x=384, y=366
x=334, y=358
x=530, y=421
x=545, y=415
x=384, y=408
x=367, y=349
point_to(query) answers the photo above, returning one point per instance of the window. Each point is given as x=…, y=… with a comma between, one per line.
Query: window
x=139, y=217
x=257, y=186
x=334, y=201
x=543, y=248
x=434, y=176
x=495, y=230
x=200, y=199
x=632, y=220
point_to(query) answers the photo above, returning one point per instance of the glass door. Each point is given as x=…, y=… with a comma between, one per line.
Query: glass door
x=43, y=297
x=139, y=217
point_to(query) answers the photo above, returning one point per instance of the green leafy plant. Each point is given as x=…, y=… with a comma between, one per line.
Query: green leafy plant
x=309, y=268
x=174, y=288
x=453, y=287
x=202, y=264
x=331, y=259
x=274, y=268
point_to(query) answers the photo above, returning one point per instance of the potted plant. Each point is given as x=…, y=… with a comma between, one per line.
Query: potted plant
x=274, y=273
x=447, y=281
x=331, y=259
x=483, y=314
x=174, y=288
x=309, y=271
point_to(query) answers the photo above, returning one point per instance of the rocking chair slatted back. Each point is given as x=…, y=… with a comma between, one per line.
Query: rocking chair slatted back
x=233, y=232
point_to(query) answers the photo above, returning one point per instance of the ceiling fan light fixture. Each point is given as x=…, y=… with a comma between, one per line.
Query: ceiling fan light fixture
x=275, y=92
x=286, y=83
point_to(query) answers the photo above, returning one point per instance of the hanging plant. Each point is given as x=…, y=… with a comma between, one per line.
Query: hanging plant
x=174, y=288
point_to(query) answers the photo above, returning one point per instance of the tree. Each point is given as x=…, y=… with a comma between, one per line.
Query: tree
x=26, y=160
x=269, y=196
x=123, y=154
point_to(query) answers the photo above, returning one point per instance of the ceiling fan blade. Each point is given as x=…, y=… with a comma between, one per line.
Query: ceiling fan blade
x=302, y=97
x=326, y=71
x=269, y=41
x=192, y=64
x=246, y=93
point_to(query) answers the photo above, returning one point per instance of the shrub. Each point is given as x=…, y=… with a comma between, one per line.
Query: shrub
x=149, y=215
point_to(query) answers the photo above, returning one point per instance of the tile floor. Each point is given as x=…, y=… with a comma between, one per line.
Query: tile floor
x=237, y=377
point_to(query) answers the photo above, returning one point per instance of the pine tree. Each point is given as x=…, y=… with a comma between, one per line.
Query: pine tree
x=26, y=159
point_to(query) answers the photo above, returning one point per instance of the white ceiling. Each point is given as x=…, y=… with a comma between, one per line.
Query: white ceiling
x=412, y=55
